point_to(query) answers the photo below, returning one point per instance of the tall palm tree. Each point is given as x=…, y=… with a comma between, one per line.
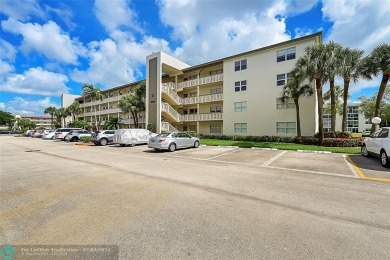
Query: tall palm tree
x=338, y=94
x=51, y=111
x=62, y=113
x=378, y=62
x=74, y=110
x=95, y=94
x=113, y=123
x=350, y=69
x=332, y=69
x=295, y=89
x=312, y=65
x=134, y=103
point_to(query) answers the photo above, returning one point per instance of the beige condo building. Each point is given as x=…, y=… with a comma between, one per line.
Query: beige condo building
x=236, y=95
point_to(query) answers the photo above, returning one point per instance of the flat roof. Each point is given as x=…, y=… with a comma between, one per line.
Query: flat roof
x=215, y=62
x=132, y=84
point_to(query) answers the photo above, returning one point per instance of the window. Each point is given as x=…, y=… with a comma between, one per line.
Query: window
x=215, y=90
x=285, y=127
x=215, y=72
x=240, y=106
x=215, y=129
x=281, y=79
x=384, y=133
x=240, y=128
x=240, y=65
x=193, y=94
x=216, y=109
x=288, y=104
x=192, y=128
x=193, y=77
x=193, y=111
x=240, y=85
x=286, y=54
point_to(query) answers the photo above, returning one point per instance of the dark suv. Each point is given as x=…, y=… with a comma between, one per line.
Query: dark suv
x=103, y=137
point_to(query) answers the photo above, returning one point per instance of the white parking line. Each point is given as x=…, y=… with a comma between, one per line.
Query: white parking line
x=223, y=154
x=350, y=167
x=273, y=159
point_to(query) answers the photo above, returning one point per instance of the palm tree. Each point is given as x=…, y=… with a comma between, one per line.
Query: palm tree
x=95, y=94
x=338, y=94
x=378, y=62
x=332, y=69
x=134, y=104
x=74, y=110
x=51, y=111
x=312, y=65
x=62, y=113
x=113, y=123
x=350, y=69
x=294, y=89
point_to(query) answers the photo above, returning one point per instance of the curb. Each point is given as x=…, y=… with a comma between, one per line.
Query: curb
x=227, y=146
x=85, y=144
x=309, y=151
x=266, y=149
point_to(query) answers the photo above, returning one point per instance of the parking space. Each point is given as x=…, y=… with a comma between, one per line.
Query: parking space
x=336, y=164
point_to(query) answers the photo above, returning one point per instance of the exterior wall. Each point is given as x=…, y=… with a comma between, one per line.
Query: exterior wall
x=67, y=100
x=262, y=91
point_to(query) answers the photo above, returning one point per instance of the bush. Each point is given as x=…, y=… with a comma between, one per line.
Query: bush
x=337, y=134
x=85, y=139
x=192, y=133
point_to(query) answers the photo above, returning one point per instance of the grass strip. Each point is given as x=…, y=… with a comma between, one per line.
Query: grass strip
x=281, y=146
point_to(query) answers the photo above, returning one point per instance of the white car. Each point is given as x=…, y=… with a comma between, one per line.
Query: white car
x=48, y=134
x=378, y=145
x=132, y=137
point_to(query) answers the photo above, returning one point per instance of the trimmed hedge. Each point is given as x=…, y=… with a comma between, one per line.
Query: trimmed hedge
x=85, y=139
x=337, y=134
x=329, y=142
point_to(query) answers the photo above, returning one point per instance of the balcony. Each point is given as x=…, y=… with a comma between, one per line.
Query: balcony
x=198, y=82
x=203, y=99
x=201, y=117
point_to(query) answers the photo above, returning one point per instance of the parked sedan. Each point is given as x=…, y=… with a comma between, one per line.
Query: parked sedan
x=48, y=134
x=75, y=135
x=173, y=141
x=378, y=145
x=103, y=137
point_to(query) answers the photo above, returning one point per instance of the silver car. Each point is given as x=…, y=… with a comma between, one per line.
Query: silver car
x=103, y=137
x=173, y=141
x=75, y=135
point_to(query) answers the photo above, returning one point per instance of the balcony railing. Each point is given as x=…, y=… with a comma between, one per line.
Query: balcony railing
x=168, y=89
x=200, y=81
x=201, y=117
x=167, y=127
x=171, y=111
x=203, y=99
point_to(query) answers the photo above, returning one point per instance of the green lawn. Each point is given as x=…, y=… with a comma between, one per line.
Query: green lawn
x=281, y=146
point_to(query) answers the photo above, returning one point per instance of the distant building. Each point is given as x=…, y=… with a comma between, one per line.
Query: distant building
x=356, y=122
x=67, y=100
x=40, y=121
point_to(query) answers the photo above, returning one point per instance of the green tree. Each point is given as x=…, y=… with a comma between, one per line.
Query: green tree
x=378, y=62
x=25, y=124
x=350, y=70
x=312, y=65
x=113, y=123
x=295, y=89
x=61, y=114
x=78, y=124
x=338, y=95
x=332, y=69
x=74, y=110
x=8, y=119
x=52, y=112
x=134, y=103
x=367, y=107
x=89, y=91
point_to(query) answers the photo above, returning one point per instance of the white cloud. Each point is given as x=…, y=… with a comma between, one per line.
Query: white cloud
x=22, y=9
x=115, y=14
x=358, y=23
x=35, y=81
x=21, y=106
x=48, y=40
x=113, y=63
x=6, y=68
x=7, y=51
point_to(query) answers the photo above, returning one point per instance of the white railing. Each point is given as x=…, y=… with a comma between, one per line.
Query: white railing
x=198, y=82
x=167, y=127
x=168, y=89
x=201, y=117
x=203, y=99
x=170, y=110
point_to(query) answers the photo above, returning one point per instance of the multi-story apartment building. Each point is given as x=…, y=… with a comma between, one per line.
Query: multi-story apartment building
x=239, y=94
x=40, y=121
x=356, y=122
x=109, y=107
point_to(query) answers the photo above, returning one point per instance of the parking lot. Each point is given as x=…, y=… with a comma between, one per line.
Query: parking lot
x=208, y=203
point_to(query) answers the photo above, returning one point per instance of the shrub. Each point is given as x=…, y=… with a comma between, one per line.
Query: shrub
x=337, y=134
x=85, y=139
x=192, y=133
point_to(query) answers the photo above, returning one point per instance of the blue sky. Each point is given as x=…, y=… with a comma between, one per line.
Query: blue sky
x=53, y=47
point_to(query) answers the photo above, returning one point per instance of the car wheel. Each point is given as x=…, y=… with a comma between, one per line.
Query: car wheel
x=133, y=142
x=123, y=145
x=103, y=141
x=172, y=147
x=74, y=139
x=196, y=144
x=52, y=138
x=364, y=151
x=385, y=159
